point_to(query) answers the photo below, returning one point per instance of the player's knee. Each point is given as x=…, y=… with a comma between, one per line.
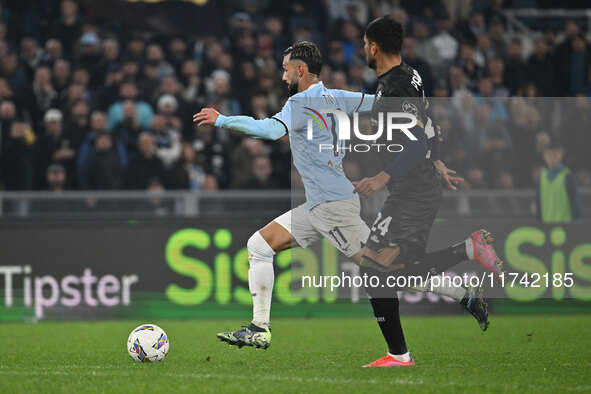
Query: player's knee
x=258, y=249
x=383, y=261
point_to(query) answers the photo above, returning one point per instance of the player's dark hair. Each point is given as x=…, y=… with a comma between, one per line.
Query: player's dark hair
x=307, y=53
x=387, y=33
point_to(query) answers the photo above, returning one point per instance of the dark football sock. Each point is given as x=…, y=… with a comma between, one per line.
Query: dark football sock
x=387, y=315
x=438, y=261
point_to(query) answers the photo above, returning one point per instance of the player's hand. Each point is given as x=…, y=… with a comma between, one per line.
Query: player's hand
x=206, y=116
x=438, y=128
x=447, y=176
x=368, y=186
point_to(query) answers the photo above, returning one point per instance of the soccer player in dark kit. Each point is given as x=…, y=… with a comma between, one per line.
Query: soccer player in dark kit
x=397, y=243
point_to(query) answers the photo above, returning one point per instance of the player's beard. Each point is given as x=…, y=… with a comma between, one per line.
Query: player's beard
x=371, y=63
x=293, y=88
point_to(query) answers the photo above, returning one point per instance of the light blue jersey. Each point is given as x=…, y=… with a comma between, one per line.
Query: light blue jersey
x=321, y=169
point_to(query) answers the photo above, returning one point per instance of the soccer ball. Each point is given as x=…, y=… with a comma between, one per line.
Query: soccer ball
x=147, y=343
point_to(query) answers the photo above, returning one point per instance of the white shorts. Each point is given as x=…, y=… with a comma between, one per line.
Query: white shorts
x=338, y=221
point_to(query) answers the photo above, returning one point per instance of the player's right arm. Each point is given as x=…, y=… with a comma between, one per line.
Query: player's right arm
x=270, y=128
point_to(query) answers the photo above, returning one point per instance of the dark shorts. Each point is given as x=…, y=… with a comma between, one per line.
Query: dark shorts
x=406, y=218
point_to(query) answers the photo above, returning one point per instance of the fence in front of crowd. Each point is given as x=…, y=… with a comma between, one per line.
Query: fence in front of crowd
x=245, y=204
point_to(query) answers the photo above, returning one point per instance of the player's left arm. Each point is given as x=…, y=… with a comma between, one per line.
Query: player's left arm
x=270, y=128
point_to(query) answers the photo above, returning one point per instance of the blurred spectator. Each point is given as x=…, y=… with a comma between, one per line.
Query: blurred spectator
x=167, y=141
x=110, y=59
x=262, y=171
x=167, y=107
x=211, y=183
x=472, y=71
x=17, y=160
x=144, y=165
x=31, y=55
x=445, y=43
x=425, y=47
x=109, y=93
x=473, y=27
x=68, y=27
x=129, y=128
x=259, y=105
x=155, y=54
x=177, y=53
x=88, y=51
x=498, y=38
x=496, y=72
x=7, y=118
x=558, y=195
x=483, y=51
x=515, y=73
x=188, y=172
x=53, y=147
x=61, y=76
x=56, y=178
x=475, y=179
x=77, y=128
x=540, y=68
x=13, y=71
x=130, y=68
x=169, y=101
x=45, y=94
x=336, y=56
x=504, y=180
x=242, y=158
x=156, y=203
x=136, y=46
x=128, y=91
x=150, y=79
x=54, y=51
x=574, y=67
x=192, y=81
x=102, y=170
x=212, y=152
x=281, y=158
x=457, y=82
x=93, y=151
x=357, y=79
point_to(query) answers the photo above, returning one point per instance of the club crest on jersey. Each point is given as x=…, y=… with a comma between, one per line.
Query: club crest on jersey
x=409, y=107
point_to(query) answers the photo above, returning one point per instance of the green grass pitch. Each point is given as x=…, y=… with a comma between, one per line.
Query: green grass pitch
x=517, y=354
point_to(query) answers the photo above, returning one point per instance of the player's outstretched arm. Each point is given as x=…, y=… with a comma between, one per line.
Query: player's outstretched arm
x=271, y=129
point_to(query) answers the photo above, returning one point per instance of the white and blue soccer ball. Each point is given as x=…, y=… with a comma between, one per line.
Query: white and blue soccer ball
x=147, y=343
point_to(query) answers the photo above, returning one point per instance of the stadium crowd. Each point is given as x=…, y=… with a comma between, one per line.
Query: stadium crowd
x=87, y=104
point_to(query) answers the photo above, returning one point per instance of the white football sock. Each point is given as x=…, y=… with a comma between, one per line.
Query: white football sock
x=444, y=288
x=469, y=248
x=447, y=289
x=260, y=278
x=401, y=357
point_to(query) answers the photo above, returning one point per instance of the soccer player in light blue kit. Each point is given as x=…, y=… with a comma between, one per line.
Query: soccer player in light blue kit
x=331, y=210
x=327, y=188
